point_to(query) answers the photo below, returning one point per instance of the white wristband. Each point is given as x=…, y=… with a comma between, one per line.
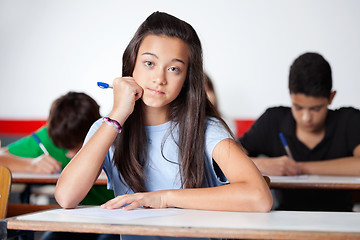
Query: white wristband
x=112, y=123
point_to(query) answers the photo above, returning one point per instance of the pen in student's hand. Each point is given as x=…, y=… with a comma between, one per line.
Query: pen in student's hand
x=104, y=85
x=285, y=144
x=40, y=144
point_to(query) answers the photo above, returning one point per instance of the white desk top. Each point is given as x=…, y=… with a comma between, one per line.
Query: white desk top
x=196, y=223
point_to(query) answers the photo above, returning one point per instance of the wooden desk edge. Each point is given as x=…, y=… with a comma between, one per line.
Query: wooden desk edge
x=16, y=209
x=49, y=181
x=14, y=224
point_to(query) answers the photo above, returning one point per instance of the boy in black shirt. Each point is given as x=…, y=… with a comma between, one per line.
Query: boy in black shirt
x=322, y=141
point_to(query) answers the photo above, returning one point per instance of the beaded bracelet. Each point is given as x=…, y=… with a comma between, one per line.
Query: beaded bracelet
x=112, y=123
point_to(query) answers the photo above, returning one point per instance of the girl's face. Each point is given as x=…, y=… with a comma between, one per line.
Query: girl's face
x=160, y=69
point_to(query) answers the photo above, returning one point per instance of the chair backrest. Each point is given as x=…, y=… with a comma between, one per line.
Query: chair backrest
x=5, y=186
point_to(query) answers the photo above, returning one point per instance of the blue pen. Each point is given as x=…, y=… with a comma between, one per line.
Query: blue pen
x=40, y=144
x=285, y=144
x=104, y=85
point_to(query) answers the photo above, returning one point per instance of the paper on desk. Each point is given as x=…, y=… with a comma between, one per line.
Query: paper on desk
x=118, y=214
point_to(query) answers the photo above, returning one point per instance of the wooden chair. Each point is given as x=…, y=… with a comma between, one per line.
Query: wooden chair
x=5, y=186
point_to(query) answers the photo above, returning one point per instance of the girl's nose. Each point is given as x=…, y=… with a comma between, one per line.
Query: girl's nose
x=159, y=77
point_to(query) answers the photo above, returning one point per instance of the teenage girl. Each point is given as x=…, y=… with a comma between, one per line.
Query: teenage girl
x=163, y=144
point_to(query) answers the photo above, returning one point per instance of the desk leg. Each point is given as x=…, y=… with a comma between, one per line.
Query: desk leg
x=25, y=195
x=3, y=230
x=10, y=234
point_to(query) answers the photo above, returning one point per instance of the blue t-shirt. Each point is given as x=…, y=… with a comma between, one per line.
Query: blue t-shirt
x=161, y=173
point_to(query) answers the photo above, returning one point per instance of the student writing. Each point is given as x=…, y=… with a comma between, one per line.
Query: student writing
x=70, y=118
x=322, y=141
x=163, y=155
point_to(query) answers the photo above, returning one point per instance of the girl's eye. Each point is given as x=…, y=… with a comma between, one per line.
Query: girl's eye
x=174, y=69
x=149, y=64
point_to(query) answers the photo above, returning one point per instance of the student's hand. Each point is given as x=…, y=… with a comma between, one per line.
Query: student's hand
x=278, y=166
x=45, y=165
x=154, y=199
x=126, y=93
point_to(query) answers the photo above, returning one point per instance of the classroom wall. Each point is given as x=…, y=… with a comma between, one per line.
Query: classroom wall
x=50, y=47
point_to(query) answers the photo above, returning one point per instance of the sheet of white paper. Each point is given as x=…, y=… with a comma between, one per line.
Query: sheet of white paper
x=118, y=214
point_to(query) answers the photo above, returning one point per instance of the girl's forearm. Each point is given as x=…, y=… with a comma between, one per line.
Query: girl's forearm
x=232, y=197
x=80, y=174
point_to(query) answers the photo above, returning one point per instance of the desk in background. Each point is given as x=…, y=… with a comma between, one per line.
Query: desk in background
x=316, y=182
x=32, y=178
x=348, y=183
x=15, y=209
x=197, y=223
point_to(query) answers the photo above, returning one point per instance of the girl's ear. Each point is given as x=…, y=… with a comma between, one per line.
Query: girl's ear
x=332, y=95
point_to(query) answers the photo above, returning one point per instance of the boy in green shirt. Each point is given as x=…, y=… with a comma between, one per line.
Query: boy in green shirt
x=70, y=118
x=29, y=149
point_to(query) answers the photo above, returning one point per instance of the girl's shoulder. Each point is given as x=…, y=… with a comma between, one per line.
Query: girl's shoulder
x=215, y=122
x=215, y=126
x=212, y=121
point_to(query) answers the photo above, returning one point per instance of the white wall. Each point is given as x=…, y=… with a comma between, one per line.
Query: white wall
x=50, y=47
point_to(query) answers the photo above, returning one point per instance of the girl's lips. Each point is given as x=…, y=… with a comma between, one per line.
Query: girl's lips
x=156, y=91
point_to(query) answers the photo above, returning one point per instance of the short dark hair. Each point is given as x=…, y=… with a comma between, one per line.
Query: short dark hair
x=70, y=118
x=310, y=74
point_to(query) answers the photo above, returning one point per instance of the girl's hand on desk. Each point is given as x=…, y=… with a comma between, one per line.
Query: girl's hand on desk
x=149, y=199
x=44, y=165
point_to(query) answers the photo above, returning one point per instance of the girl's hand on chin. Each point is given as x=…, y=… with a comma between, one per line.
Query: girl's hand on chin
x=126, y=92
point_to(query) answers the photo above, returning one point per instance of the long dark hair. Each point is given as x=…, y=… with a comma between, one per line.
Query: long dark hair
x=188, y=111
